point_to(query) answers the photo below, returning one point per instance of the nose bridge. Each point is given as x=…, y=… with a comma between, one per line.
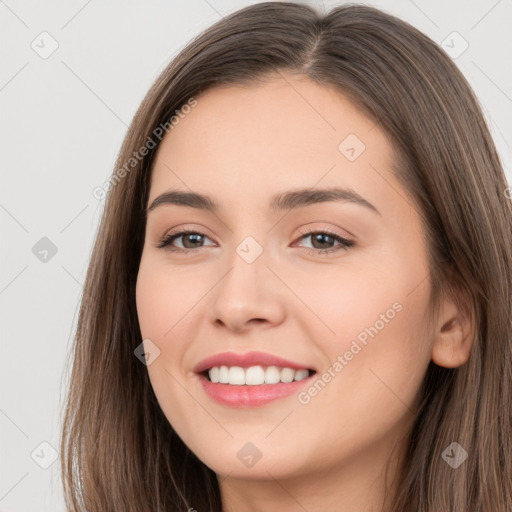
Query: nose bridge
x=247, y=291
x=249, y=243
x=248, y=272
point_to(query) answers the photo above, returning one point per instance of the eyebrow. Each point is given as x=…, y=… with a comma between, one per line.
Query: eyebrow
x=289, y=200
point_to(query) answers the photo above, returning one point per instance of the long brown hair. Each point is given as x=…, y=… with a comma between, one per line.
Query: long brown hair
x=119, y=452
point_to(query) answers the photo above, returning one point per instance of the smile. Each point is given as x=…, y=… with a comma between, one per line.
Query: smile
x=251, y=379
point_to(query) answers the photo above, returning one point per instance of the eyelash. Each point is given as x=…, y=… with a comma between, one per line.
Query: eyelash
x=165, y=243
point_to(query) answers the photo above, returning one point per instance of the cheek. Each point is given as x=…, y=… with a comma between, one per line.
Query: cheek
x=383, y=318
x=162, y=298
x=162, y=304
x=382, y=306
x=152, y=303
x=384, y=357
x=367, y=392
x=380, y=349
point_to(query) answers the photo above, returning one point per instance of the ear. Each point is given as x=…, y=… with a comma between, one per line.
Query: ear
x=454, y=335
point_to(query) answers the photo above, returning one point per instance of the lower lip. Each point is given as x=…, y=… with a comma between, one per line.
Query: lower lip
x=251, y=396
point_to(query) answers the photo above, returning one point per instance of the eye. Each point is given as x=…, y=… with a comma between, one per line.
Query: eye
x=322, y=241
x=191, y=239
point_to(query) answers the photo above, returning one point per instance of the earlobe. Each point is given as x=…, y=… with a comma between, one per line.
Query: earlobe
x=454, y=336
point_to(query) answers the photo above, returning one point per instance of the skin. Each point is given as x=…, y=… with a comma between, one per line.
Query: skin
x=242, y=145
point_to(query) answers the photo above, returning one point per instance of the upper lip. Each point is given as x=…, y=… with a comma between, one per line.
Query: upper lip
x=247, y=359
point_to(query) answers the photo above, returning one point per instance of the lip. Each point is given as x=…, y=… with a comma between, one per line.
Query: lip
x=245, y=395
x=247, y=359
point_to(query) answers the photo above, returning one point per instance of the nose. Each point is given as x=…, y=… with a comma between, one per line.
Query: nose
x=248, y=294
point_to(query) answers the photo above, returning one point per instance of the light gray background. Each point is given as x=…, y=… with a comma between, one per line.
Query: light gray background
x=63, y=120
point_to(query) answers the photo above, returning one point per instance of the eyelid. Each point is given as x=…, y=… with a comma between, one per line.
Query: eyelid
x=322, y=229
x=187, y=228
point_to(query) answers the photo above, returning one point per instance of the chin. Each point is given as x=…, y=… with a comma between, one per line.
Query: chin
x=258, y=460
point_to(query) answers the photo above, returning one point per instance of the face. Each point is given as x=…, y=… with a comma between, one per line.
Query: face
x=336, y=285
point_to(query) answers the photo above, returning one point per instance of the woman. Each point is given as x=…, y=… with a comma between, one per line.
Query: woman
x=220, y=363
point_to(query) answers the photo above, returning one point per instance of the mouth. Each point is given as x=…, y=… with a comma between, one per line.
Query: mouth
x=251, y=379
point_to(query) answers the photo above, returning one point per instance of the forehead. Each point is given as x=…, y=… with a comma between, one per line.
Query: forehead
x=256, y=140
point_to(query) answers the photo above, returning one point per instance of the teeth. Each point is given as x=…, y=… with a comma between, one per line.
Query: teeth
x=236, y=376
x=223, y=375
x=214, y=374
x=301, y=374
x=254, y=375
x=272, y=375
x=287, y=375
